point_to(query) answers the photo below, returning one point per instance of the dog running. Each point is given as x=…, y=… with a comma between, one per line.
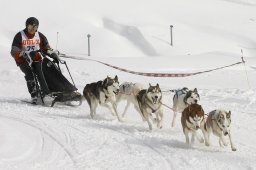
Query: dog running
x=182, y=99
x=103, y=93
x=192, y=119
x=128, y=92
x=218, y=122
x=149, y=103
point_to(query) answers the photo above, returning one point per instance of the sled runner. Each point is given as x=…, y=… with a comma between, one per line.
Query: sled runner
x=51, y=82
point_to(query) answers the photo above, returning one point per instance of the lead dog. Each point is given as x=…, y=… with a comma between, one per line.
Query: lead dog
x=128, y=92
x=149, y=103
x=103, y=93
x=218, y=122
x=192, y=119
x=182, y=99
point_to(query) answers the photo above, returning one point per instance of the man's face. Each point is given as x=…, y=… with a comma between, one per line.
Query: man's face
x=32, y=28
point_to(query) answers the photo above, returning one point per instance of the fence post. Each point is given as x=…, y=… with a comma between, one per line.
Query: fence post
x=171, y=26
x=242, y=57
x=57, y=41
x=89, y=52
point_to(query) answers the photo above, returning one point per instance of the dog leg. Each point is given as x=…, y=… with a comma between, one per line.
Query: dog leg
x=126, y=107
x=193, y=137
x=93, y=108
x=199, y=138
x=149, y=123
x=186, y=135
x=91, y=112
x=160, y=119
x=115, y=110
x=231, y=143
x=138, y=110
x=174, y=117
x=206, y=136
x=154, y=120
x=112, y=108
x=222, y=141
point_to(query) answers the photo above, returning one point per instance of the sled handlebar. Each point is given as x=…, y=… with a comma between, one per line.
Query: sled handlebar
x=30, y=60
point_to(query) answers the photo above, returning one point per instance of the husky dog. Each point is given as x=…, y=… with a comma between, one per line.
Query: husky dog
x=218, y=122
x=149, y=103
x=103, y=93
x=192, y=119
x=128, y=92
x=183, y=98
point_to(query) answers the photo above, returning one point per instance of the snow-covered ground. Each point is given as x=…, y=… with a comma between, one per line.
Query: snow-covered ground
x=134, y=35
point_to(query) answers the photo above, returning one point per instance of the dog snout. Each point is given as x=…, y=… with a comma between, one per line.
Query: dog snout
x=156, y=97
x=197, y=127
x=225, y=134
x=196, y=100
x=117, y=90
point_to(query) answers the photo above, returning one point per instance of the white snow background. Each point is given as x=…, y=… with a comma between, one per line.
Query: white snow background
x=135, y=35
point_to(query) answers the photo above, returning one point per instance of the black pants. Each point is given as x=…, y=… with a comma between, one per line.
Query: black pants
x=29, y=77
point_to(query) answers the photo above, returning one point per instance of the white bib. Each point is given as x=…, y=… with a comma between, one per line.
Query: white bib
x=29, y=45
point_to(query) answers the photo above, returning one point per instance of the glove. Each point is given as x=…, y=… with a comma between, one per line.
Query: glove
x=53, y=55
x=23, y=55
x=35, y=56
x=20, y=57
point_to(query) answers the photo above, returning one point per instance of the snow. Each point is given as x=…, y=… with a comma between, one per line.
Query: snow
x=134, y=35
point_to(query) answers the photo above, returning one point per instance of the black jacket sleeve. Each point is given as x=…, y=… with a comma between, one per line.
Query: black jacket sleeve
x=16, y=45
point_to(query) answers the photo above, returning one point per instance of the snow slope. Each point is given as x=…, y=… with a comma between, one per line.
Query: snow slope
x=134, y=35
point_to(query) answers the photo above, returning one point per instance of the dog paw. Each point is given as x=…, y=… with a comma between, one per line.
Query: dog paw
x=234, y=149
x=225, y=144
x=121, y=120
x=207, y=144
x=201, y=140
x=160, y=126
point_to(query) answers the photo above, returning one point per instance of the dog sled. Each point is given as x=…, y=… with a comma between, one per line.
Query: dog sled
x=50, y=82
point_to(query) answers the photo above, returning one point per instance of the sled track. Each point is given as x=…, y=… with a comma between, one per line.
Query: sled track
x=168, y=163
x=66, y=150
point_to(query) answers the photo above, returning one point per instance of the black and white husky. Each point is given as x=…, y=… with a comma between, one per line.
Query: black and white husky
x=182, y=99
x=128, y=92
x=149, y=103
x=103, y=93
x=218, y=122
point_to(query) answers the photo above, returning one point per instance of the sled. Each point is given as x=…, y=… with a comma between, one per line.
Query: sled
x=51, y=82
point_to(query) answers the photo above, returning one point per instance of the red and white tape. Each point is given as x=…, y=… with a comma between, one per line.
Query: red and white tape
x=152, y=74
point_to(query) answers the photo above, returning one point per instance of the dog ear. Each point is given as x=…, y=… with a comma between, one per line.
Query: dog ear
x=157, y=85
x=116, y=78
x=195, y=90
x=228, y=114
x=149, y=85
x=106, y=80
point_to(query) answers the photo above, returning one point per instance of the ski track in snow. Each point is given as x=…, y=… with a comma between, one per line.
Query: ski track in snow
x=36, y=125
